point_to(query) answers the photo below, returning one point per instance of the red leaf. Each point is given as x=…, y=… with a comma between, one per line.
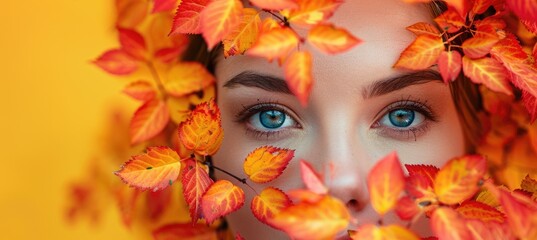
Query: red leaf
x=275, y=43
x=406, y=208
x=420, y=181
x=520, y=211
x=133, y=43
x=450, y=21
x=219, y=19
x=275, y=4
x=482, y=42
x=449, y=65
x=480, y=6
x=140, y=90
x=488, y=71
x=422, y=53
x=163, y=5
x=154, y=170
x=117, y=62
x=480, y=211
x=461, y=6
x=312, y=179
x=168, y=55
x=266, y=163
x=195, y=182
x=149, y=120
x=220, y=199
x=530, y=102
x=185, y=231
x=423, y=28
x=187, y=18
x=459, y=179
x=299, y=76
x=385, y=182
x=331, y=40
x=157, y=203
x=524, y=9
x=447, y=224
x=268, y=203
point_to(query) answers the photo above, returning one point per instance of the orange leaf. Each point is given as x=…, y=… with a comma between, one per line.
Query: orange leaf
x=385, y=182
x=319, y=220
x=459, y=179
x=373, y=232
x=130, y=13
x=449, y=65
x=154, y=170
x=245, y=35
x=477, y=210
x=275, y=4
x=529, y=184
x=275, y=43
x=299, y=76
x=461, y=6
x=420, y=181
x=268, y=203
x=140, y=90
x=168, y=55
x=406, y=208
x=488, y=71
x=132, y=43
x=195, y=181
x=508, y=50
x=301, y=195
x=267, y=163
x=450, y=21
x=149, y=120
x=311, y=13
x=480, y=6
x=331, y=40
x=202, y=132
x=220, y=199
x=219, y=19
x=422, y=53
x=447, y=224
x=163, y=5
x=187, y=18
x=520, y=211
x=312, y=179
x=117, y=62
x=185, y=231
x=524, y=9
x=481, y=44
x=423, y=28
x=187, y=77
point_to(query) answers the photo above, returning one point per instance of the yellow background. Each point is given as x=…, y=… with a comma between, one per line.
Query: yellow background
x=53, y=106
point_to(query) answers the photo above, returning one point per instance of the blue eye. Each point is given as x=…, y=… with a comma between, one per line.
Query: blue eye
x=272, y=119
x=402, y=118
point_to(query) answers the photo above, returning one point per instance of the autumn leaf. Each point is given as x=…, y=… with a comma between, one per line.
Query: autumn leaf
x=157, y=203
x=529, y=184
x=422, y=53
x=459, y=179
x=195, y=181
x=480, y=6
x=185, y=231
x=267, y=163
x=163, y=5
x=461, y=6
x=140, y=90
x=420, y=182
x=268, y=203
x=202, y=132
x=187, y=77
x=130, y=13
x=312, y=179
x=373, y=232
x=117, y=62
x=421, y=28
x=299, y=76
x=313, y=220
x=520, y=212
x=524, y=9
x=168, y=55
x=449, y=65
x=275, y=43
x=245, y=35
x=450, y=21
x=480, y=211
x=447, y=224
x=132, y=43
x=310, y=13
x=149, y=120
x=488, y=71
x=385, y=182
x=220, y=199
x=219, y=19
x=481, y=44
x=330, y=39
x=275, y=4
x=155, y=170
x=187, y=18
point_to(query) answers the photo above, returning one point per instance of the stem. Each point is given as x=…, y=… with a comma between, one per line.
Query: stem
x=276, y=16
x=242, y=180
x=156, y=77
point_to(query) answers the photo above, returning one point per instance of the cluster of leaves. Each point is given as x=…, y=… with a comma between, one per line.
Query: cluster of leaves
x=487, y=55
x=242, y=30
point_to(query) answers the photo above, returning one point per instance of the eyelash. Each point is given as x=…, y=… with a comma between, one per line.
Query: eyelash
x=248, y=111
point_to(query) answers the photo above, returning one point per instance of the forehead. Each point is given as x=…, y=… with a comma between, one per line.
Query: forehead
x=379, y=24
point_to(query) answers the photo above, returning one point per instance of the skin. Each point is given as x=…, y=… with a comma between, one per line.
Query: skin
x=342, y=125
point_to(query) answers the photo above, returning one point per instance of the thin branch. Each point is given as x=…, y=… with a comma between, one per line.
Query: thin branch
x=156, y=77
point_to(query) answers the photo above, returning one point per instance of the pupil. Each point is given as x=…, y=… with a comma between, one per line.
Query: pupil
x=272, y=118
x=402, y=117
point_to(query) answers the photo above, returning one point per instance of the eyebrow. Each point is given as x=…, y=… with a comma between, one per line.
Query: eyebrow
x=265, y=82
x=392, y=84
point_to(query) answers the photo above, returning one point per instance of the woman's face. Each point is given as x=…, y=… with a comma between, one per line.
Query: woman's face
x=360, y=109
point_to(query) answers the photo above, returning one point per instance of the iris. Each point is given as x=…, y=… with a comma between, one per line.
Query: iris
x=272, y=118
x=402, y=117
